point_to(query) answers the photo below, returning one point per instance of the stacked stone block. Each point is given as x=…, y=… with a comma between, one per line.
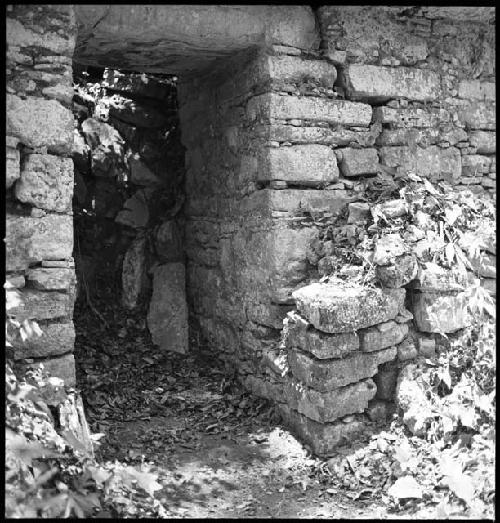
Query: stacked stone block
x=39, y=182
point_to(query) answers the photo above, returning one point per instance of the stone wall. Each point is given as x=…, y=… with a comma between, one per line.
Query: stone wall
x=39, y=181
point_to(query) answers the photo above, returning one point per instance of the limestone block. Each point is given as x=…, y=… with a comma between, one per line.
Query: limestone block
x=167, y=316
x=30, y=240
x=301, y=164
x=140, y=174
x=485, y=142
x=399, y=273
x=40, y=123
x=46, y=182
x=358, y=161
x=479, y=115
x=301, y=334
x=341, y=112
x=476, y=90
x=407, y=350
x=382, y=336
x=412, y=117
x=329, y=406
x=321, y=135
x=12, y=167
x=323, y=438
x=17, y=281
x=434, y=312
x=135, y=211
x=39, y=305
x=359, y=212
x=374, y=83
x=134, y=276
x=63, y=368
x=294, y=69
x=57, y=338
x=143, y=114
x=434, y=278
x=327, y=375
x=51, y=279
x=475, y=165
x=433, y=162
x=334, y=309
x=388, y=248
x=484, y=264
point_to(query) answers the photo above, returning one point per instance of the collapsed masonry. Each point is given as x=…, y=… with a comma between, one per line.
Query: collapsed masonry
x=287, y=141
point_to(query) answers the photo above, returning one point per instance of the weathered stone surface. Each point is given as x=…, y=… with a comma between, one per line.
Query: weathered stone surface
x=135, y=211
x=167, y=315
x=479, y=115
x=392, y=208
x=80, y=152
x=185, y=38
x=377, y=411
x=301, y=334
x=63, y=367
x=411, y=117
x=329, y=406
x=382, y=335
x=140, y=174
x=326, y=375
x=401, y=272
x=57, y=338
x=359, y=212
x=16, y=280
x=51, y=279
x=321, y=135
x=301, y=164
x=374, y=83
x=434, y=278
x=490, y=285
x=385, y=380
x=46, y=182
x=476, y=90
x=294, y=69
x=358, y=161
x=433, y=162
x=388, y=248
x=342, y=112
x=39, y=305
x=434, y=312
x=12, y=167
x=134, y=276
x=40, y=123
x=485, y=142
x=323, y=438
x=333, y=309
x=31, y=240
x=475, y=165
x=407, y=350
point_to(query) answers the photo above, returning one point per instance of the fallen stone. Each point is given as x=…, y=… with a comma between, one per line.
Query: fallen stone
x=359, y=212
x=329, y=406
x=299, y=333
x=38, y=123
x=135, y=211
x=13, y=158
x=326, y=375
x=434, y=312
x=433, y=278
x=356, y=162
x=46, y=182
x=30, y=240
x=51, y=279
x=374, y=83
x=264, y=388
x=382, y=336
x=323, y=438
x=140, y=174
x=335, y=309
x=392, y=208
x=57, y=338
x=134, y=275
x=388, y=248
x=401, y=272
x=167, y=315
